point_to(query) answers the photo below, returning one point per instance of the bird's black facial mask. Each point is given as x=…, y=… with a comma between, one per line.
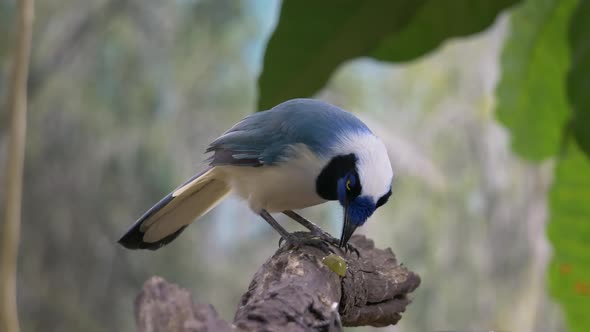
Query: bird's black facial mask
x=340, y=181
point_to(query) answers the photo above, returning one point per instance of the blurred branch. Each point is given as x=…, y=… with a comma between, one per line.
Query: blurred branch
x=293, y=291
x=14, y=168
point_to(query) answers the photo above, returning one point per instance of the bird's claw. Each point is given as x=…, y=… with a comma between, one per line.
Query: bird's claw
x=325, y=236
x=350, y=248
x=297, y=241
x=321, y=240
x=347, y=248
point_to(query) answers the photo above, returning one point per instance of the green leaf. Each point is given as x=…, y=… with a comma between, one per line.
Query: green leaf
x=437, y=21
x=579, y=75
x=314, y=37
x=532, y=103
x=569, y=232
x=531, y=95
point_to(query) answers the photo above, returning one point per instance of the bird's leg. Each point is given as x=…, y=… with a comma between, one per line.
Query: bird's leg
x=291, y=239
x=271, y=221
x=313, y=228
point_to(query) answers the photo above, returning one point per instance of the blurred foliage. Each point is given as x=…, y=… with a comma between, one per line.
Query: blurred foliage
x=569, y=231
x=579, y=75
x=300, y=58
x=532, y=95
x=532, y=101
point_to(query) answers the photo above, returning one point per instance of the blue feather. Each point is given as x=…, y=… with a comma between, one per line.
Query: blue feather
x=360, y=209
x=262, y=138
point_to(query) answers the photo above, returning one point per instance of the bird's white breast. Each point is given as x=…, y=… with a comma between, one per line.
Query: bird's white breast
x=289, y=185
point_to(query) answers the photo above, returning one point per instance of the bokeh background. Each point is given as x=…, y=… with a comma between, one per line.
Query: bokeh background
x=125, y=96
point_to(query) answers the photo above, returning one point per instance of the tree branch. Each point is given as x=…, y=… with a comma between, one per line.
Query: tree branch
x=293, y=291
x=14, y=169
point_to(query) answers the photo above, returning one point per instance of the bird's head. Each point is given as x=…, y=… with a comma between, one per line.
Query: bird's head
x=359, y=177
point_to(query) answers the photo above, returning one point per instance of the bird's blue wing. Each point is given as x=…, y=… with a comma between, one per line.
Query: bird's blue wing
x=263, y=138
x=249, y=142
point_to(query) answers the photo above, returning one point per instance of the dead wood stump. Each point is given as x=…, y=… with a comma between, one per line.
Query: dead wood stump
x=293, y=291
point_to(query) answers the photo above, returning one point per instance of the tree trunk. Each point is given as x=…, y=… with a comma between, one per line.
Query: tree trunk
x=295, y=290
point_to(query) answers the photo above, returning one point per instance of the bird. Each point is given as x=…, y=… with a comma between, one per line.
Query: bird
x=300, y=153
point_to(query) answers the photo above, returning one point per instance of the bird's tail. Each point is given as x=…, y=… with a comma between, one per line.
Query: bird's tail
x=169, y=217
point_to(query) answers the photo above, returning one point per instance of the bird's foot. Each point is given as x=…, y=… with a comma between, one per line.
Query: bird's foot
x=347, y=248
x=321, y=240
x=326, y=237
x=299, y=239
x=350, y=248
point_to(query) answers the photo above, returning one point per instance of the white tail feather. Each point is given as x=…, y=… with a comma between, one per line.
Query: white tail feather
x=190, y=201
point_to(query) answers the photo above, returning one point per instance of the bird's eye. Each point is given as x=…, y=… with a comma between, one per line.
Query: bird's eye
x=348, y=185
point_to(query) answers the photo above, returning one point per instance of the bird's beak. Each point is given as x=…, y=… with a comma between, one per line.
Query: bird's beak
x=348, y=229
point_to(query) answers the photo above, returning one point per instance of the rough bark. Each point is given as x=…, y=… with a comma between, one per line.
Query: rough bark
x=293, y=291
